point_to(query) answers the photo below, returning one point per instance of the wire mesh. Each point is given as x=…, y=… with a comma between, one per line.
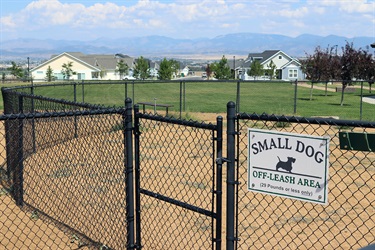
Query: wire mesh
x=63, y=186
x=176, y=183
x=347, y=222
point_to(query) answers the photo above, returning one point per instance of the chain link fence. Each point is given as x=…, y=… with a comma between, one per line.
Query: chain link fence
x=272, y=222
x=68, y=181
x=62, y=175
x=179, y=183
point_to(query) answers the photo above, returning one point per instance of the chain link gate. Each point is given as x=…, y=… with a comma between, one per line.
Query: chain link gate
x=263, y=221
x=178, y=183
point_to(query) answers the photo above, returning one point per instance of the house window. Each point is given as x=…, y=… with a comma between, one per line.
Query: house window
x=58, y=76
x=293, y=73
x=81, y=76
x=280, y=57
x=39, y=72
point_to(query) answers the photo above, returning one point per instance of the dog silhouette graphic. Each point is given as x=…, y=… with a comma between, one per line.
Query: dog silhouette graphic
x=286, y=165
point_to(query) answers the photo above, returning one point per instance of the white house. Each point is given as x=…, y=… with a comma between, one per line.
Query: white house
x=287, y=67
x=86, y=67
x=184, y=71
x=154, y=69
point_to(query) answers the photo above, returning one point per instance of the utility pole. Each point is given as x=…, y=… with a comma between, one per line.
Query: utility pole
x=28, y=69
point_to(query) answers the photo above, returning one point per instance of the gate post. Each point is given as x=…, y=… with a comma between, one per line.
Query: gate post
x=231, y=114
x=238, y=96
x=127, y=119
x=219, y=181
x=137, y=168
x=75, y=117
x=18, y=171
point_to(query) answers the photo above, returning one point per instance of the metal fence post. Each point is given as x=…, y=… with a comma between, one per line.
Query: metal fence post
x=18, y=173
x=219, y=180
x=184, y=95
x=295, y=96
x=137, y=134
x=133, y=97
x=238, y=97
x=230, y=174
x=129, y=173
x=33, y=120
x=75, y=117
x=180, y=99
x=83, y=91
x=361, y=103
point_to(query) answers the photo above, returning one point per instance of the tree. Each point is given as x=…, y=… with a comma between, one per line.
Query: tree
x=349, y=67
x=16, y=70
x=208, y=71
x=122, y=68
x=67, y=70
x=271, y=71
x=221, y=69
x=371, y=74
x=256, y=69
x=141, y=69
x=366, y=67
x=166, y=70
x=3, y=77
x=175, y=65
x=103, y=72
x=49, y=75
x=317, y=67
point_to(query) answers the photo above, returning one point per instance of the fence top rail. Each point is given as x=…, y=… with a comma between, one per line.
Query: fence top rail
x=173, y=120
x=62, y=114
x=312, y=120
x=61, y=101
x=179, y=80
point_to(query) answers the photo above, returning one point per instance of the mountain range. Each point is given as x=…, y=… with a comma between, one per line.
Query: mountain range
x=160, y=46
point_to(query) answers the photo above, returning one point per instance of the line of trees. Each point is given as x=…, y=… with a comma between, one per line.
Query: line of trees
x=326, y=65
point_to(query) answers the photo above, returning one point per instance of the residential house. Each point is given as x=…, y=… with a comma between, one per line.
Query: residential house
x=154, y=70
x=86, y=67
x=287, y=67
x=184, y=71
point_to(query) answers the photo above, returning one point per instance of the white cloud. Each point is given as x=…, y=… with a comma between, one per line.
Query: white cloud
x=349, y=6
x=357, y=6
x=297, y=13
x=7, y=22
x=196, y=18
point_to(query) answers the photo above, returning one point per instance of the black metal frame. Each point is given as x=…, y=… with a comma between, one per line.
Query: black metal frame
x=216, y=211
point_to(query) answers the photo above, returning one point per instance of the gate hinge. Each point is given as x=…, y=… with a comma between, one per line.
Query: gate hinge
x=234, y=182
x=221, y=160
x=217, y=192
x=235, y=133
x=233, y=238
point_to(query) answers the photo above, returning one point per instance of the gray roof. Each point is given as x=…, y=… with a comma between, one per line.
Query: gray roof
x=106, y=61
x=101, y=61
x=235, y=62
x=262, y=56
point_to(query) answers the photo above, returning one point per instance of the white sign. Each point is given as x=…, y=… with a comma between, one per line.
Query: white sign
x=289, y=165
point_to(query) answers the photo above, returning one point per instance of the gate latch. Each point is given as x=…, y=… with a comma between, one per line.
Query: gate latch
x=221, y=160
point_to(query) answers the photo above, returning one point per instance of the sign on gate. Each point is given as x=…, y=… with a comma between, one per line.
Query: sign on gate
x=289, y=165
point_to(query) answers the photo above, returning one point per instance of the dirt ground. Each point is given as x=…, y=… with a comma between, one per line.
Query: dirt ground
x=91, y=187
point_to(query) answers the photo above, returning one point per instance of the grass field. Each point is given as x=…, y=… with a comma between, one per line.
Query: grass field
x=212, y=96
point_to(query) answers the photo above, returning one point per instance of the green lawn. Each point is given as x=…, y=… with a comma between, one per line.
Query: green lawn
x=212, y=96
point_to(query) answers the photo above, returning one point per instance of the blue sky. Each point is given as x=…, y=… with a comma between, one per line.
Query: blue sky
x=92, y=19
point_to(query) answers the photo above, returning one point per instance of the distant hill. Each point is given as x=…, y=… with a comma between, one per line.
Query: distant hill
x=160, y=46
